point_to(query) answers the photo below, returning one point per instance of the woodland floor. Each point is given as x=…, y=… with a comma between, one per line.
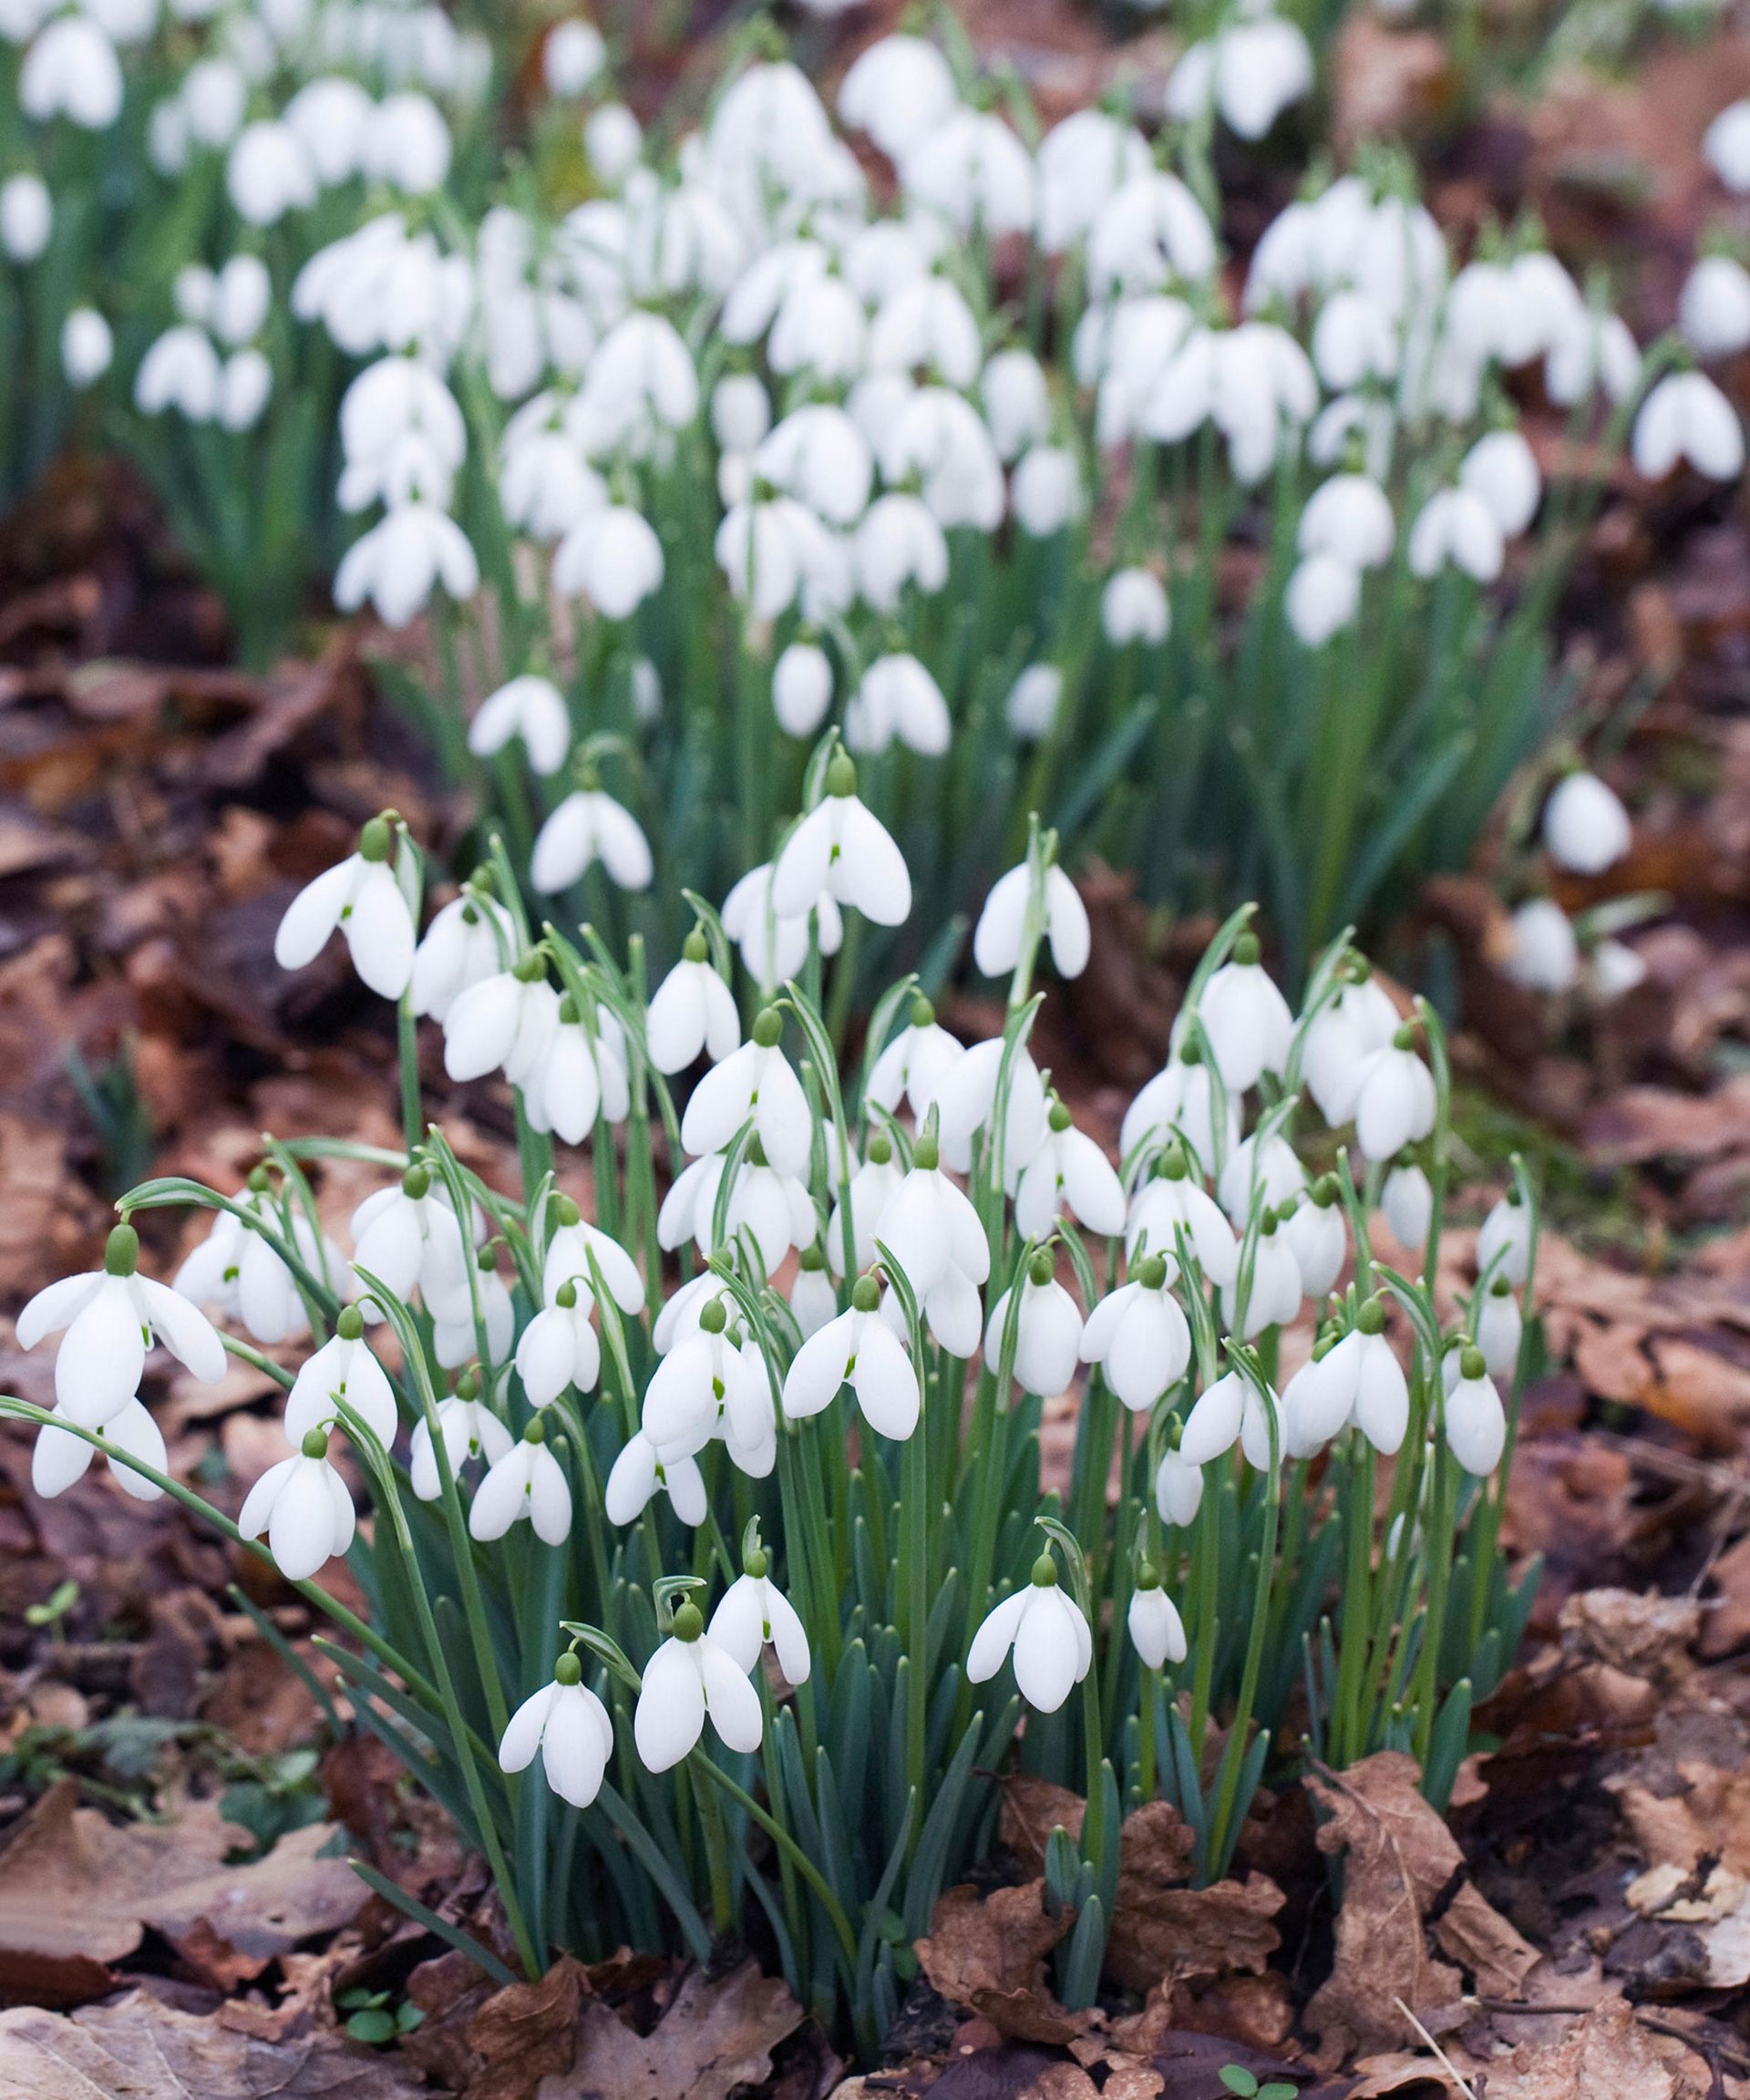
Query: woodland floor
x=176, y=1913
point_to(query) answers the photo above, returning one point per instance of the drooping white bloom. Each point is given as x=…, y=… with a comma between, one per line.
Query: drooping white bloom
x=970, y=166
x=1262, y=1169
x=1595, y=353
x=1406, y=1204
x=613, y=139
x=689, y=1677
x=869, y=1188
x=26, y=219
x=898, y=90
x=1033, y=700
x=967, y=1103
x=398, y=562
x=709, y=1376
x=1502, y=470
x=303, y=1506
x=1504, y=1244
x=757, y=1081
x=180, y=371
x=525, y=1482
x=237, y=1270
x=409, y=144
x=1068, y=1172
x=1179, y=1489
x=1714, y=310
x=1500, y=1328
x=108, y=1319
x=1349, y=516
x=842, y=847
x=1062, y=919
x=1616, y=970
x=818, y=455
x=1475, y=1420
x=343, y=1369
x=1082, y=161
x=467, y=1429
x=802, y=688
x=270, y=172
x=934, y=1234
x=774, y=948
x=1231, y=1411
x=1686, y=418
x=1456, y=529
x=936, y=438
x=589, y=825
x=1138, y=1335
x=568, y=1726
x=898, y=542
x=578, y=1249
x=1273, y=1294
x=1150, y=233
x=897, y=699
x=754, y=1613
x=1154, y=1626
x=1133, y=608
x=1394, y=1100
x=470, y=939
x=1171, y=1200
x=1250, y=71
x=613, y=559
x=559, y=1347
x=1045, y=494
x=859, y=1349
x=1050, y=1637
x=773, y=553
x=531, y=707
x=640, y=1471
x=1180, y=1100
x=914, y=1065
x=1245, y=1018
x=1726, y=146
x=1585, y=829
x=1047, y=1330
x=926, y=326
x=59, y=1458
x=1323, y=598
x=364, y=898
x=71, y=70
x=580, y=1074
x=1364, y=1369
x=573, y=56
x=693, y=1011
x=1017, y=402
x=1542, y=953
x=1341, y=1037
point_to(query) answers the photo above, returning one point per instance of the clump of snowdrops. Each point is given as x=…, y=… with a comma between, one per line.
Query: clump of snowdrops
x=694, y=445
x=712, y=1566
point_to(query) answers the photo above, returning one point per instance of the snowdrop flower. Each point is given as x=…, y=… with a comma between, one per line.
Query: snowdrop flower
x=937, y=437
x=467, y=942
x=1133, y=608
x=1002, y=922
x=215, y=99
x=407, y=145
x=1048, y=1633
x=26, y=220
x=572, y=57
x=693, y=1011
x=1149, y=234
x=269, y=173
x=972, y=169
x=934, y=1234
x=1179, y=1489
x=328, y=116
x=526, y=1481
x=362, y=898
x=570, y=1728
x=245, y=384
x=1273, y=1298
x=1068, y=1171
x=1139, y=1337
x=1245, y=1018
x=1017, y=403
x=1251, y=72
x=613, y=559
x=754, y=1612
x=1171, y=1199
x=303, y=1506
x=1317, y=1403
x=407, y=1235
x=1594, y=352
x=1394, y=1099
x=1341, y=1037
x=59, y=1458
x=179, y=371
x=1542, y=953
x=926, y=326
x=640, y=1471
x=1266, y=1170
x=708, y=1375
x=741, y=412
x=71, y=70
x=1157, y=1630
x=967, y=1103
x=1585, y=829
x=915, y=1063
x=1048, y=1329
x=842, y=847
x=108, y=1319
x=898, y=698
x=1726, y=146
x=1456, y=529
x=757, y=1081
x=1686, y=418
x=580, y=1074
x=774, y=948
x=1046, y=492
x=692, y=1675
x=819, y=330
x=1406, y=1204
x=1355, y=341
x=867, y=1191
x=1034, y=700
x=531, y=707
x=1316, y=1237
x=1231, y=1411
x=1364, y=1369
x=1082, y=161
x=344, y=1369
x=397, y=563
x=1349, y=517
x=1502, y=470
x=802, y=688
x=1180, y=1098
x=899, y=542
x=773, y=553
x=559, y=1347
x=236, y=1268
x=859, y=1349
x=1501, y=1327
x=589, y=825
x=1504, y=1244
x=613, y=139
x=87, y=347
x=898, y=91
x=1322, y=599
x=576, y=1244
x=466, y=1428
x=1714, y=310
x=1475, y=1420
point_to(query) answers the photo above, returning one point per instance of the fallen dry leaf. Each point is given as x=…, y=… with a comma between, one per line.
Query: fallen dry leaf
x=713, y=2038
x=137, y=2048
x=1401, y=1869
x=525, y=2031
x=988, y=1952
x=78, y=1892
x=1606, y=2056
x=1727, y=1624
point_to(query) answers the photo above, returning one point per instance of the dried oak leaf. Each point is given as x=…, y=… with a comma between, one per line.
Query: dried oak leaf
x=988, y=1952
x=1727, y=1625
x=77, y=1891
x=713, y=2038
x=137, y=2048
x=1401, y=1869
x=524, y=2032
x=1604, y=2057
